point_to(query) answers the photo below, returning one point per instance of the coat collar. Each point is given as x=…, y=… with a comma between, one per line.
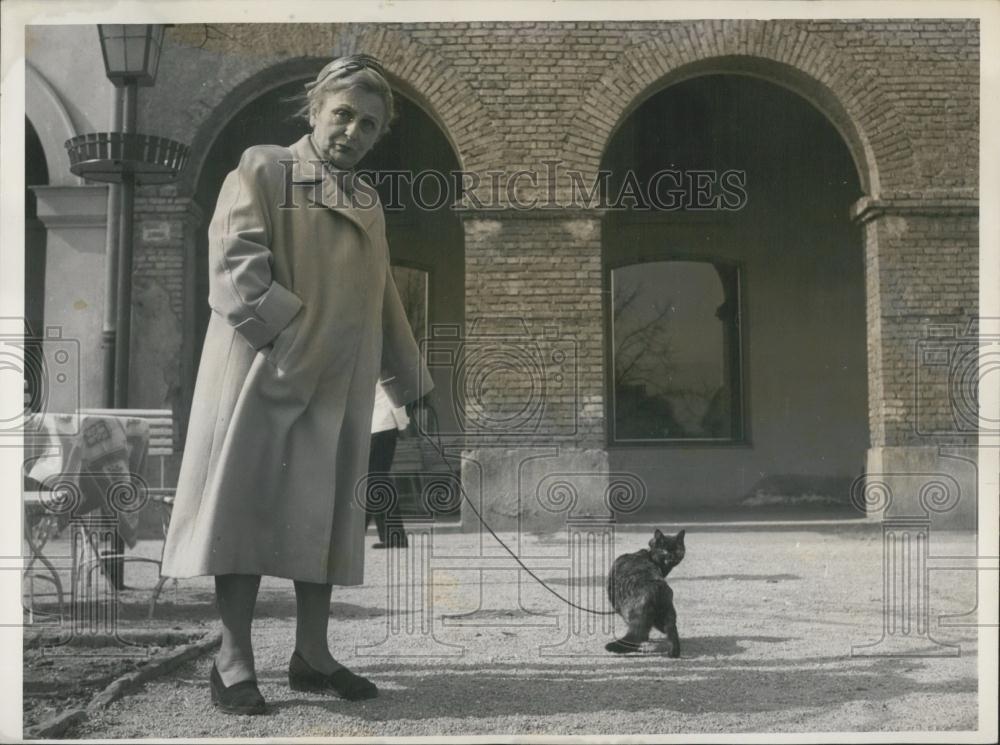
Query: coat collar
x=358, y=202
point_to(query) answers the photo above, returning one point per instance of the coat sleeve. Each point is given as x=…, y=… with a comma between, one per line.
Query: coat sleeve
x=405, y=377
x=241, y=289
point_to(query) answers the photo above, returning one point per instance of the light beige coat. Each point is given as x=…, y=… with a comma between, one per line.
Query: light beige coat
x=305, y=318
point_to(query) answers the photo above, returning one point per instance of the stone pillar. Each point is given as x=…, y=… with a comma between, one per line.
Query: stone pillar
x=527, y=383
x=75, y=218
x=921, y=263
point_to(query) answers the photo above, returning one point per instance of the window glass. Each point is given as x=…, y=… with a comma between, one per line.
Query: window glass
x=675, y=351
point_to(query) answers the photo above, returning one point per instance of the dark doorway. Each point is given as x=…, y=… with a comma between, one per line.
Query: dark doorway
x=36, y=173
x=743, y=278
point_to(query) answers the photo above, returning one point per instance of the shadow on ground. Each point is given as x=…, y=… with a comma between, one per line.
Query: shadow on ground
x=199, y=607
x=596, y=579
x=683, y=686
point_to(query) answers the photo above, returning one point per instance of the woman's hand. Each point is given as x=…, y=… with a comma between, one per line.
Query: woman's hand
x=277, y=350
x=420, y=403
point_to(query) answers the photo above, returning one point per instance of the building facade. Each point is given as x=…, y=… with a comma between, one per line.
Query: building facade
x=695, y=265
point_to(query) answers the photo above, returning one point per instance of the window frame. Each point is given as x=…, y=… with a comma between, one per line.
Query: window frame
x=428, y=288
x=739, y=376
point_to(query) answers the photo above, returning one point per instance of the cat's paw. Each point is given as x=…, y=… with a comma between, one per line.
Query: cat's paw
x=675, y=652
x=621, y=647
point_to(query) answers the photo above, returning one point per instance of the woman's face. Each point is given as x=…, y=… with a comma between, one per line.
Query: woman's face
x=346, y=124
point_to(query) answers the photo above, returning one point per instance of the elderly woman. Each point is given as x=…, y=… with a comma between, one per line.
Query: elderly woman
x=306, y=318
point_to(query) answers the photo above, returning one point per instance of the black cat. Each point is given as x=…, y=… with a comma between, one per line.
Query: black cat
x=638, y=591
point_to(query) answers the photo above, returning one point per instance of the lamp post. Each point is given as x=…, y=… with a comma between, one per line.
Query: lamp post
x=109, y=322
x=131, y=58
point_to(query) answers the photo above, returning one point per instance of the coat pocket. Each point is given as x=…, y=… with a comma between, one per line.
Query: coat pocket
x=278, y=351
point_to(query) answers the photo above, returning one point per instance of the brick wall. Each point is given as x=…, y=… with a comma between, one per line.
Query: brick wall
x=162, y=227
x=903, y=93
x=922, y=274
x=929, y=68
x=546, y=271
x=514, y=94
x=165, y=225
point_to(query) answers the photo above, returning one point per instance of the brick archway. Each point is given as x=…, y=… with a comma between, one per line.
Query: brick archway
x=416, y=73
x=779, y=51
x=413, y=69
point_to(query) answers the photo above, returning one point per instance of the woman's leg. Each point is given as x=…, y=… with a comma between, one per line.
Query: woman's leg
x=312, y=601
x=236, y=595
x=312, y=667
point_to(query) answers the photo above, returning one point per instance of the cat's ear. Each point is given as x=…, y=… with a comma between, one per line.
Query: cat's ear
x=657, y=534
x=680, y=537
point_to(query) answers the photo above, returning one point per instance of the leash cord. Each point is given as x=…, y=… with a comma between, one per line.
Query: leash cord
x=440, y=451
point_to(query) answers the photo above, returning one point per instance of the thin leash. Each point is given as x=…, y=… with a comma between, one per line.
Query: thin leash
x=440, y=451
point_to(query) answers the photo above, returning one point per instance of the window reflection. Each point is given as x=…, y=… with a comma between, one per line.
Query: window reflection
x=675, y=349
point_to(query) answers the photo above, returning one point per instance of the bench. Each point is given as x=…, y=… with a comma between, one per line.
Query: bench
x=160, y=448
x=161, y=445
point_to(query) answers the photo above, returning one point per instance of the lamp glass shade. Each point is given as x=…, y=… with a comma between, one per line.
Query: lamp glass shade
x=131, y=52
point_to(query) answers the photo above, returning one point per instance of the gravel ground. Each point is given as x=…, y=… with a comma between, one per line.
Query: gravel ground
x=767, y=620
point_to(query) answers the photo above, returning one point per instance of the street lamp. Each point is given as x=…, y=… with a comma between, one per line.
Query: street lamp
x=131, y=52
x=124, y=157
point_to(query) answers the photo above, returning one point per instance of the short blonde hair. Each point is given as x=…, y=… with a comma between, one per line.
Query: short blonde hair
x=366, y=79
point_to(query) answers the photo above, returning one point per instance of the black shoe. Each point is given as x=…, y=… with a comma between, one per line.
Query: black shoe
x=240, y=698
x=303, y=677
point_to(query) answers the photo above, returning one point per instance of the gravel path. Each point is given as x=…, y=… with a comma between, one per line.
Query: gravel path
x=767, y=621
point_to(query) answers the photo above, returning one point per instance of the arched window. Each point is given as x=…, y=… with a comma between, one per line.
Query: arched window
x=675, y=352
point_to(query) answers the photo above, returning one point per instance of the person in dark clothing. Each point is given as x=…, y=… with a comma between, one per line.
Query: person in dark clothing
x=387, y=421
